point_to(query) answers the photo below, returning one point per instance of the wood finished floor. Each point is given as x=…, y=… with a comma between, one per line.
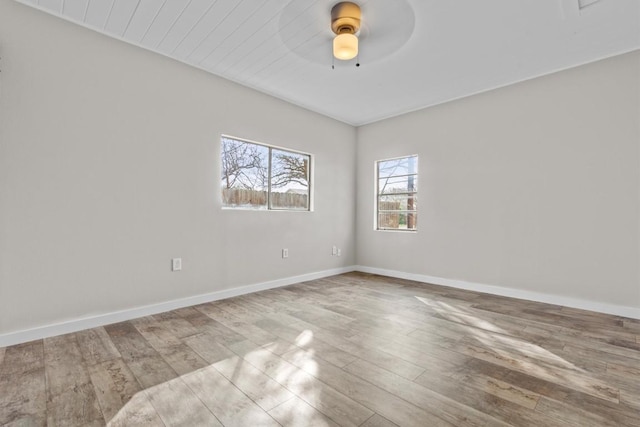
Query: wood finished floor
x=350, y=350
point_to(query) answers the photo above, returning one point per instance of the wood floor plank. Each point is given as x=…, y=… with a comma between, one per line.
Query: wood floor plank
x=578, y=418
x=578, y=331
x=373, y=323
x=71, y=398
x=295, y=412
x=352, y=350
x=23, y=358
x=233, y=306
x=238, y=324
x=216, y=329
x=631, y=399
x=372, y=355
x=577, y=381
x=321, y=316
x=335, y=405
x=156, y=333
x=23, y=398
x=176, y=353
x=304, y=338
x=182, y=359
x=618, y=412
x=378, y=421
x=114, y=385
x=23, y=402
x=504, y=390
x=576, y=361
x=262, y=389
x=177, y=405
x=261, y=305
x=490, y=404
x=411, y=352
x=422, y=397
x=175, y=324
x=601, y=354
x=624, y=370
x=137, y=412
x=621, y=347
x=279, y=346
x=96, y=346
x=386, y=404
x=208, y=348
x=527, y=351
x=225, y=401
x=144, y=361
x=454, y=323
x=186, y=312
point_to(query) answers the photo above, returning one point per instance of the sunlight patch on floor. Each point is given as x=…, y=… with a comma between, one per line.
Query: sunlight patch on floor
x=459, y=315
x=304, y=338
x=245, y=386
x=497, y=346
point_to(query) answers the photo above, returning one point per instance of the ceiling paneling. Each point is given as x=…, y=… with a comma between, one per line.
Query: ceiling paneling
x=75, y=9
x=413, y=53
x=140, y=24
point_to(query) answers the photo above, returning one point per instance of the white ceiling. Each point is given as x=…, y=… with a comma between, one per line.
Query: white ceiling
x=414, y=53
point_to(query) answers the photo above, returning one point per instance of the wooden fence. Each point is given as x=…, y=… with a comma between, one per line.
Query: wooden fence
x=392, y=220
x=387, y=219
x=243, y=197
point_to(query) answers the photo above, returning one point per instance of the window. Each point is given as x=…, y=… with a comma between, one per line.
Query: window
x=258, y=176
x=397, y=193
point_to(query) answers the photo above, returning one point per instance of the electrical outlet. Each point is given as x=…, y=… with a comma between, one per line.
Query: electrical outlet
x=339, y=252
x=285, y=253
x=176, y=264
x=334, y=251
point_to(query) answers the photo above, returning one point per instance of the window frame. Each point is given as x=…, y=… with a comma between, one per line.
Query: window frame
x=270, y=149
x=408, y=193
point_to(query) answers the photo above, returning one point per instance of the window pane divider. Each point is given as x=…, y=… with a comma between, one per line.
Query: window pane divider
x=399, y=193
x=397, y=176
x=269, y=182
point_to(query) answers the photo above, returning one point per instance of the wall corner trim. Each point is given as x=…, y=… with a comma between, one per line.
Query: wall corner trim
x=617, y=310
x=78, y=324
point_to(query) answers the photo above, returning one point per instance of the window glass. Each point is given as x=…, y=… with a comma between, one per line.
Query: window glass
x=289, y=180
x=258, y=176
x=397, y=194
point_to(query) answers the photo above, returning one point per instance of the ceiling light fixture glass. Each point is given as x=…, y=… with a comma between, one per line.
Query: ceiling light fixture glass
x=345, y=23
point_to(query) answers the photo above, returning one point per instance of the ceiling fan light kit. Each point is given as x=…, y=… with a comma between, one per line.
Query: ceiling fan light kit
x=345, y=23
x=345, y=46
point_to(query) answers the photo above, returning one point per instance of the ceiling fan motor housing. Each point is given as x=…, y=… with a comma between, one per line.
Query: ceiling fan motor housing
x=345, y=18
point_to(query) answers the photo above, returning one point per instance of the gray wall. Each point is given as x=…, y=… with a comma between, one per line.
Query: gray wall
x=534, y=186
x=109, y=167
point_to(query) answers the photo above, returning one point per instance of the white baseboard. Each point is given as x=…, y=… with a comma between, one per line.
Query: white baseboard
x=618, y=310
x=79, y=324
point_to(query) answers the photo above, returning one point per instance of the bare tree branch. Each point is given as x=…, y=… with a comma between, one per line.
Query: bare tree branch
x=243, y=164
x=289, y=168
